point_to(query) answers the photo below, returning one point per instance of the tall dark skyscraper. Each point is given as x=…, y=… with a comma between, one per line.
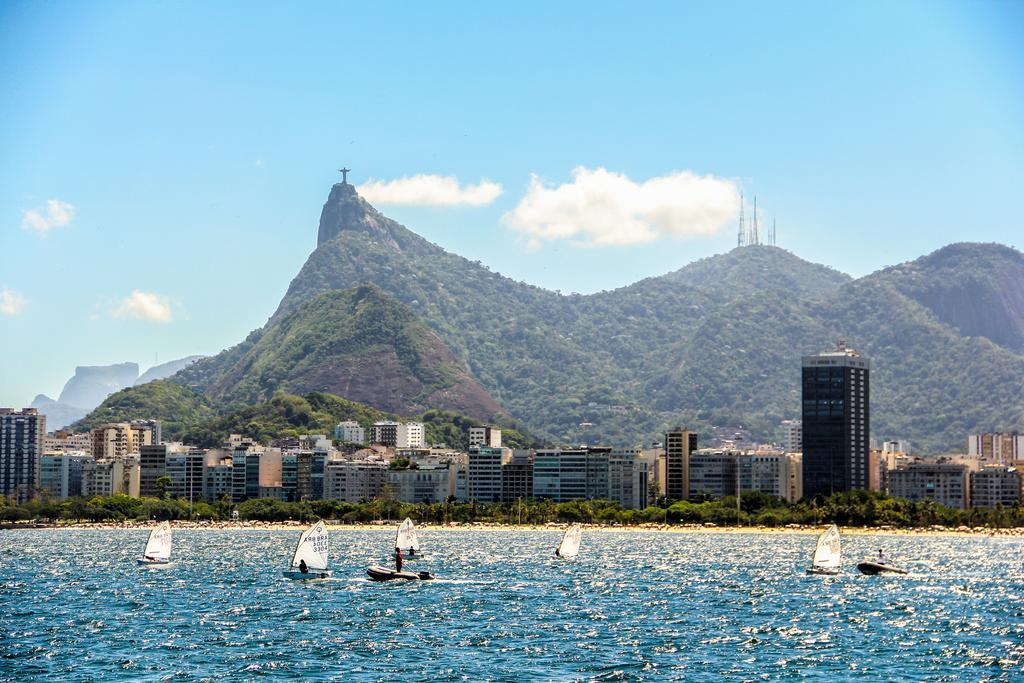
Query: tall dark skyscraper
x=836, y=421
x=679, y=444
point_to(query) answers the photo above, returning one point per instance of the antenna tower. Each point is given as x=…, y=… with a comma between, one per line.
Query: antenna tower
x=739, y=234
x=756, y=239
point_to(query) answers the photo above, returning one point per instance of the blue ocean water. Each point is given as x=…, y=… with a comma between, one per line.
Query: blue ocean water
x=633, y=606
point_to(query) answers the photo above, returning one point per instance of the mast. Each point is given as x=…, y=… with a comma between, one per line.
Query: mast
x=739, y=234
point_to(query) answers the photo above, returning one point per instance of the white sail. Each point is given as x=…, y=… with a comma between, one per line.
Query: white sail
x=827, y=552
x=570, y=545
x=312, y=548
x=158, y=547
x=406, y=539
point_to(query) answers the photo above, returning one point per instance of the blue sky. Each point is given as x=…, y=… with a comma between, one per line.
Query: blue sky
x=189, y=146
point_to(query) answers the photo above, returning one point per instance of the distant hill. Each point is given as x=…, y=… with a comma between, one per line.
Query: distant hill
x=165, y=370
x=187, y=416
x=177, y=406
x=717, y=342
x=361, y=344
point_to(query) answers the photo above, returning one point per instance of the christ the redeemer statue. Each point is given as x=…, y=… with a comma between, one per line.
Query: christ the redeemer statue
x=344, y=174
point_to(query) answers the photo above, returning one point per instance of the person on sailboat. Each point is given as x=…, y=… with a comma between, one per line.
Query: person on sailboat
x=398, y=559
x=302, y=567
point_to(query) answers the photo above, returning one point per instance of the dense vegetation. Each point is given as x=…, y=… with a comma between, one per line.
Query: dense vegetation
x=853, y=509
x=179, y=408
x=360, y=341
x=190, y=418
x=715, y=343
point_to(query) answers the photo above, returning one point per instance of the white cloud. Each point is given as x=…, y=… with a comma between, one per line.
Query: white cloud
x=602, y=208
x=11, y=303
x=54, y=214
x=144, y=306
x=429, y=190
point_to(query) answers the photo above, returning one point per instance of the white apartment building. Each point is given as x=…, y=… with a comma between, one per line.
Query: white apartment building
x=350, y=432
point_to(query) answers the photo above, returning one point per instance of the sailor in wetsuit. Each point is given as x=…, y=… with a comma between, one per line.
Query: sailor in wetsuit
x=302, y=567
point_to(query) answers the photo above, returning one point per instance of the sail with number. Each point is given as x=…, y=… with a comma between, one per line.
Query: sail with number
x=406, y=539
x=158, y=547
x=827, y=552
x=312, y=548
x=570, y=545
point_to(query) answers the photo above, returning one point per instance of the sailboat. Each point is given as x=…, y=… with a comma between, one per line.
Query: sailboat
x=407, y=541
x=827, y=553
x=158, y=547
x=310, y=558
x=569, y=548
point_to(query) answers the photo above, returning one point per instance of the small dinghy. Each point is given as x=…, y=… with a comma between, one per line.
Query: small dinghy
x=569, y=548
x=874, y=568
x=310, y=555
x=158, y=547
x=407, y=541
x=827, y=553
x=389, y=574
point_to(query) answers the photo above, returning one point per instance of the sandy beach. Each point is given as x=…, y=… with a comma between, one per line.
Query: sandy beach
x=553, y=526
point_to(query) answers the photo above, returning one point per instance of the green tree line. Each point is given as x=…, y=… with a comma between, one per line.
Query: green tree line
x=854, y=508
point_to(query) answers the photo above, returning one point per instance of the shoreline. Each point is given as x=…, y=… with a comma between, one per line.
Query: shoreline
x=1015, y=532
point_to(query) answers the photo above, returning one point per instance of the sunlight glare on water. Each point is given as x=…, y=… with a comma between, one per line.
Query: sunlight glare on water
x=633, y=606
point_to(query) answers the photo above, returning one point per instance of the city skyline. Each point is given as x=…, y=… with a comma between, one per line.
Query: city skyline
x=185, y=177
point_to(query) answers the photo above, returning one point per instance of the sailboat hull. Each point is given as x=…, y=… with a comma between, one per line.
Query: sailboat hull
x=296, y=575
x=388, y=574
x=152, y=563
x=823, y=571
x=873, y=568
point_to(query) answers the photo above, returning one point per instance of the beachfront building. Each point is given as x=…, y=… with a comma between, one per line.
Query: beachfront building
x=996, y=486
x=111, y=477
x=679, y=444
x=60, y=473
x=483, y=473
x=68, y=442
x=218, y=476
x=21, y=447
x=517, y=477
x=355, y=481
x=186, y=468
x=628, y=478
x=836, y=421
x=426, y=483
x=712, y=473
x=944, y=482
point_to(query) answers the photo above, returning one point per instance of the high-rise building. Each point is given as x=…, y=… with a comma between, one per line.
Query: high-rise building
x=118, y=439
x=410, y=435
x=517, y=477
x=422, y=484
x=217, y=480
x=153, y=465
x=483, y=473
x=996, y=485
x=355, y=481
x=1000, y=449
x=186, y=468
x=792, y=436
x=68, y=442
x=350, y=432
x=712, y=473
x=60, y=473
x=485, y=435
x=21, y=447
x=946, y=483
x=628, y=478
x=836, y=421
x=110, y=477
x=679, y=444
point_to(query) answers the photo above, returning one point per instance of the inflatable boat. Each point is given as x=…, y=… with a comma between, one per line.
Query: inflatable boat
x=873, y=568
x=388, y=574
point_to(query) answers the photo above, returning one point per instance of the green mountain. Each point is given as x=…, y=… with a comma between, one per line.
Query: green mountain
x=179, y=407
x=717, y=342
x=358, y=343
